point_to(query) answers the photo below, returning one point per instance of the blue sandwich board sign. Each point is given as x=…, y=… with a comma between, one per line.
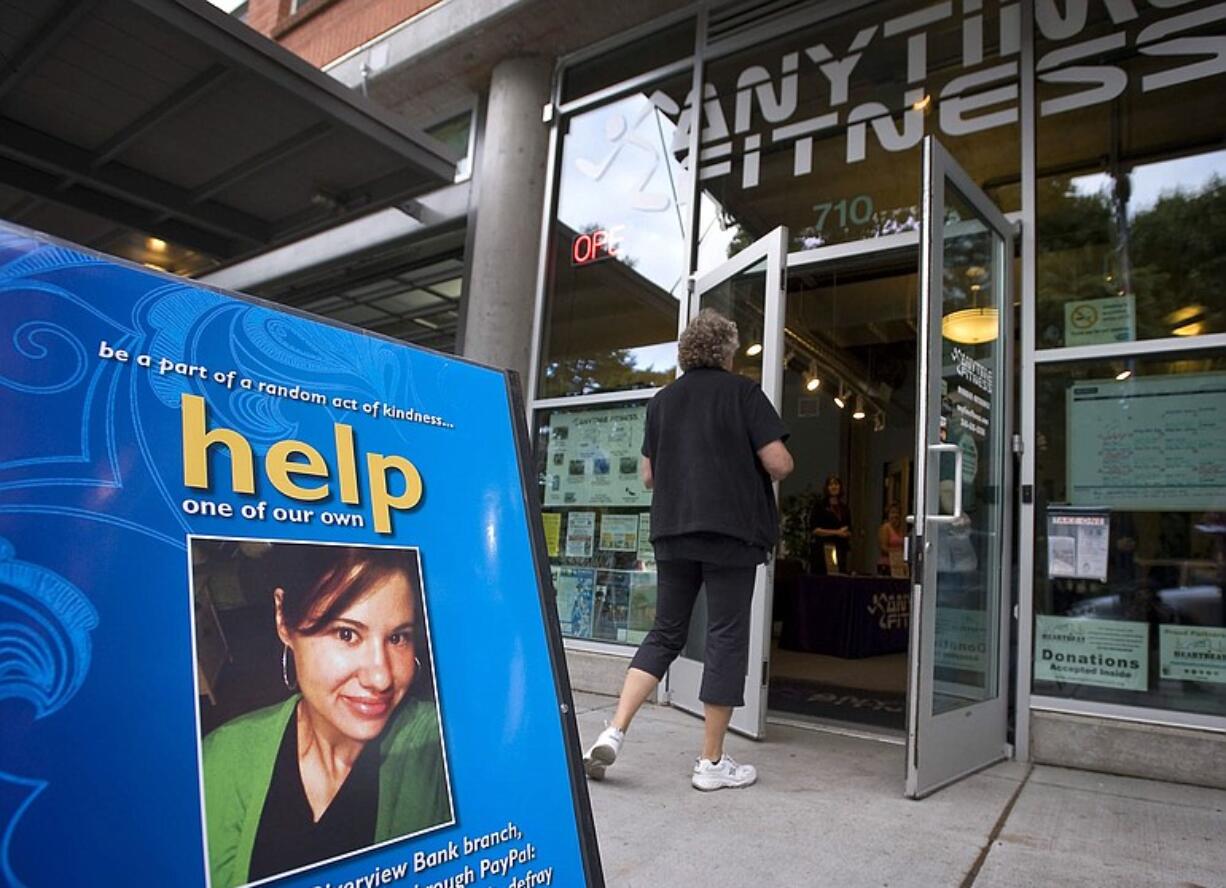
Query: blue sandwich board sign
x=274, y=600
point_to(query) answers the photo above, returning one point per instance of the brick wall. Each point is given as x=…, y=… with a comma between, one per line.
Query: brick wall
x=324, y=30
x=262, y=15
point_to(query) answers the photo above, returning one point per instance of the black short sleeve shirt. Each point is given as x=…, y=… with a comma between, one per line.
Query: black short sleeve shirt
x=702, y=435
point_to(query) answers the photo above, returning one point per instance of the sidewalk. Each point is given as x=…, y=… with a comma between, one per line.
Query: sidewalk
x=828, y=811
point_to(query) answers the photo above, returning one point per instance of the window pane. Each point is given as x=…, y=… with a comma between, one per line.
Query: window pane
x=820, y=130
x=636, y=57
x=358, y=314
x=454, y=132
x=407, y=301
x=597, y=516
x=451, y=289
x=618, y=250
x=1130, y=559
x=1132, y=179
x=969, y=549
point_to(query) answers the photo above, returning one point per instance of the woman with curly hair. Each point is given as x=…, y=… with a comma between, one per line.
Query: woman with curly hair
x=712, y=447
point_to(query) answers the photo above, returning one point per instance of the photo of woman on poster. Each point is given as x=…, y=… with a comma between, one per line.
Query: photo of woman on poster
x=349, y=758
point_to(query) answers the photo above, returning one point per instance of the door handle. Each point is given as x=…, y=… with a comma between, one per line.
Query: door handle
x=956, y=450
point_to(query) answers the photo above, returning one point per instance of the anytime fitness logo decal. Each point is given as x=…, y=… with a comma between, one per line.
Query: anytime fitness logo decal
x=765, y=104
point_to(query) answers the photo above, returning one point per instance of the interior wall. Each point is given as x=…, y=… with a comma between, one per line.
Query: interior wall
x=832, y=442
x=878, y=450
x=816, y=443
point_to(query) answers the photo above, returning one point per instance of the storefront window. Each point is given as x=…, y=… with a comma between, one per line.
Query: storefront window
x=820, y=129
x=597, y=517
x=1130, y=560
x=1132, y=176
x=635, y=57
x=456, y=133
x=618, y=250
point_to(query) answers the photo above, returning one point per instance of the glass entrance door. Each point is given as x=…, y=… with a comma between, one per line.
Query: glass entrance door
x=749, y=289
x=957, y=687
x=842, y=604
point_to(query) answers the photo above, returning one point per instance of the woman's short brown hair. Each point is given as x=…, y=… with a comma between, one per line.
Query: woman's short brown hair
x=709, y=341
x=320, y=582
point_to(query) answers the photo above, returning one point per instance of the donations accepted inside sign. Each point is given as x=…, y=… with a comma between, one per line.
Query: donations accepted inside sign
x=271, y=600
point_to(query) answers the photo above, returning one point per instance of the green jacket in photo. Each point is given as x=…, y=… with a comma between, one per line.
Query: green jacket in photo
x=238, y=764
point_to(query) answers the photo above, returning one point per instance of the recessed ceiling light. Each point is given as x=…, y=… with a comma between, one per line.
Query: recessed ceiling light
x=1185, y=314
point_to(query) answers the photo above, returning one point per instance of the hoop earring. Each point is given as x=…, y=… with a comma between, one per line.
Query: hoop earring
x=418, y=662
x=285, y=670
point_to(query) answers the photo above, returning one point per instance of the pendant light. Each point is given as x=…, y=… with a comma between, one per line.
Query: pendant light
x=977, y=324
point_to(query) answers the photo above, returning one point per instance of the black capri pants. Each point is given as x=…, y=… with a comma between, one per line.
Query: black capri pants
x=729, y=595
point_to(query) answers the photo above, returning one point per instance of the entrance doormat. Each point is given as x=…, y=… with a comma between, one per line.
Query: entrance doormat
x=882, y=709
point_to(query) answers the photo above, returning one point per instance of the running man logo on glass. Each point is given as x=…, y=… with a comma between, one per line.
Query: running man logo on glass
x=626, y=137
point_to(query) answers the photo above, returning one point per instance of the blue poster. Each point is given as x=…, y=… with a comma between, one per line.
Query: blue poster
x=270, y=601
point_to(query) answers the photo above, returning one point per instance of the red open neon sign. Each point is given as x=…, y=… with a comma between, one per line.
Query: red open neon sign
x=593, y=246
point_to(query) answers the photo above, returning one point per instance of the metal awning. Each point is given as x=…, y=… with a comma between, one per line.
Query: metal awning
x=166, y=132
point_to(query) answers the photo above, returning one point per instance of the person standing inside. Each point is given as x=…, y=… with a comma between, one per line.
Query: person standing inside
x=891, y=537
x=830, y=521
x=712, y=447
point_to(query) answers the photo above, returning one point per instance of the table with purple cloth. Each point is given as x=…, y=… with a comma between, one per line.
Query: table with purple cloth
x=846, y=616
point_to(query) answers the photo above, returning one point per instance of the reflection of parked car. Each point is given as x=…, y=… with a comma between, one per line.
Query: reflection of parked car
x=1191, y=605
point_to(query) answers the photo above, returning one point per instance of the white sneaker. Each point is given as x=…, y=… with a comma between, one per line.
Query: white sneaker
x=603, y=752
x=724, y=774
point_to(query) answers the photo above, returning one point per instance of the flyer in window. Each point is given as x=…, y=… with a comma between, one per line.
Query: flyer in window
x=552, y=522
x=1104, y=653
x=642, y=605
x=574, y=587
x=1077, y=543
x=580, y=534
x=1194, y=653
x=611, y=605
x=619, y=533
x=1159, y=434
x=646, y=551
x=593, y=457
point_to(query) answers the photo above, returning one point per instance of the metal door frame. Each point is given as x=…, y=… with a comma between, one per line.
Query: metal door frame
x=983, y=726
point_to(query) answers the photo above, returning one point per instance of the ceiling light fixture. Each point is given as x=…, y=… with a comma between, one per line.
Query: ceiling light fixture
x=841, y=398
x=812, y=382
x=1185, y=314
x=971, y=326
x=978, y=323
x=858, y=413
x=754, y=349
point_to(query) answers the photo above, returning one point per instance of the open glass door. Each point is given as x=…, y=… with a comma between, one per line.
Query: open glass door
x=749, y=289
x=957, y=690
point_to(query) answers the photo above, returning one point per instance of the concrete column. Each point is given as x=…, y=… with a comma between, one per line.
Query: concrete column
x=504, y=239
